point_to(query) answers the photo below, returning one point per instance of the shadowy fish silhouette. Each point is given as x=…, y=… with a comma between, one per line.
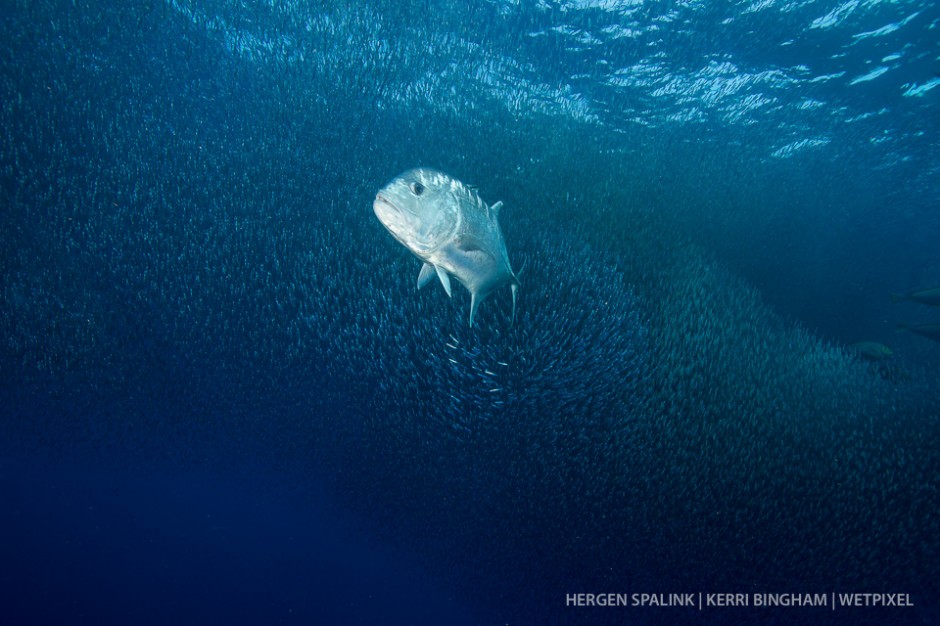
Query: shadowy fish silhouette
x=446, y=225
x=871, y=350
x=924, y=296
x=930, y=331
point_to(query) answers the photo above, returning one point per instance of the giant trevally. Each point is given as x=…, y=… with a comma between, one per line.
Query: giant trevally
x=446, y=225
x=924, y=296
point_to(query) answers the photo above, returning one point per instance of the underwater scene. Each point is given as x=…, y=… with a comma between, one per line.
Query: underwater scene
x=475, y=312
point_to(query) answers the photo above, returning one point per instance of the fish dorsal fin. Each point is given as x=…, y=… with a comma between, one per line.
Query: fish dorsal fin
x=425, y=275
x=496, y=207
x=445, y=279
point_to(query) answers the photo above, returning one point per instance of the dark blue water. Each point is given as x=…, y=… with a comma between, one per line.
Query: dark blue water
x=222, y=399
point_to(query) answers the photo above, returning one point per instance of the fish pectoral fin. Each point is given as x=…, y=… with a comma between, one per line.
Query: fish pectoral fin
x=469, y=243
x=425, y=275
x=473, y=250
x=445, y=279
x=496, y=207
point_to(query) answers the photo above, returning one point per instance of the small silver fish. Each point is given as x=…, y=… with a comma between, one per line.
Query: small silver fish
x=446, y=225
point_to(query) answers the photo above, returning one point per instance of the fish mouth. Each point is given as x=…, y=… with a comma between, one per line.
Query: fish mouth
x=390, y=216
x=381, y=203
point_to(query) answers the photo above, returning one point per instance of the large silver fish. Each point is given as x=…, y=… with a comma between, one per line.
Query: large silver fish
x=446, y=225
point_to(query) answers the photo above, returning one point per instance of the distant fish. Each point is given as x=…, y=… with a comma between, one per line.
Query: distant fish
x=930, y=331
x=446, y=225
x=871, y=350
x=924, y=296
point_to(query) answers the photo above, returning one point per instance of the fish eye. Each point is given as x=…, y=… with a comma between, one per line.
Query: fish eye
x=417, y=189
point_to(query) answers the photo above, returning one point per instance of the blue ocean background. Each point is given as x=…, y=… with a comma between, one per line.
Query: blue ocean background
x=223, y=401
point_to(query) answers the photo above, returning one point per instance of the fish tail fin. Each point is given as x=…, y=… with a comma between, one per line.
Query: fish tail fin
x=897, y=297
x=900, y=328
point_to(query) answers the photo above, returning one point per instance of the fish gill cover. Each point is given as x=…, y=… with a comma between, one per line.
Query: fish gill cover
x=711, y=200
